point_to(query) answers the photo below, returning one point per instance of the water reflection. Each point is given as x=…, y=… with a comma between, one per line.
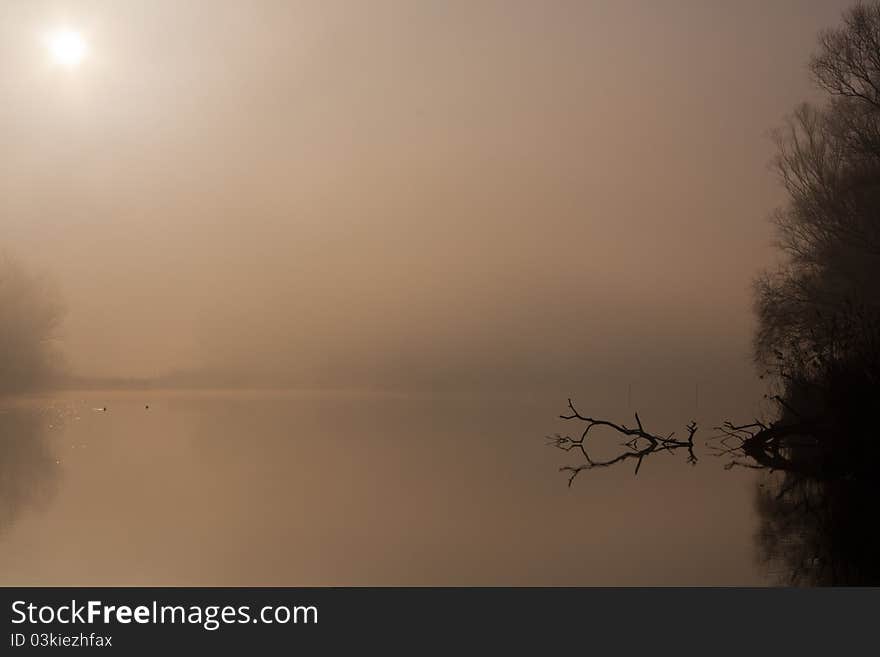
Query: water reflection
x=296, y=488
x=28, y=467
x=816, y=502
x=818, y=533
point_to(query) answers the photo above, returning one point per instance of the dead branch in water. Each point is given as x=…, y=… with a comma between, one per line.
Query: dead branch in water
x=641, y=443
x=769, y=446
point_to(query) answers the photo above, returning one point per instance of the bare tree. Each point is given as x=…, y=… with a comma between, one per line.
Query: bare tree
x=847, y=63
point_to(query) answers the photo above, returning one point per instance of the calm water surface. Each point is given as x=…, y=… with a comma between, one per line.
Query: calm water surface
x=308, y=488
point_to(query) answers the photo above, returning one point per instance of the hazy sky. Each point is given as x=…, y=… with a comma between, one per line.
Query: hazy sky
x=375, y=192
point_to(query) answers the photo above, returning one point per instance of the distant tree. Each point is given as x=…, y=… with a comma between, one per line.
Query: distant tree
x=30, y=316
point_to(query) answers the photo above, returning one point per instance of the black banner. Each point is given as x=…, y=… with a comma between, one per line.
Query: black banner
x=414, y=620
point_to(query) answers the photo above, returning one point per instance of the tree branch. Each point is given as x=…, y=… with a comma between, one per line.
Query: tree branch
x=641, y=443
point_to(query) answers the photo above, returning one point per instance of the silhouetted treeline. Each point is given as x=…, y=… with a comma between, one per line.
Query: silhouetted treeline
x=818, y=337
x=819, y=324
x=819, y=314
x=30, y=315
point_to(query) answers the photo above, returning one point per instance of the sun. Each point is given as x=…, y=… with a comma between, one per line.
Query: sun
x=67, y=47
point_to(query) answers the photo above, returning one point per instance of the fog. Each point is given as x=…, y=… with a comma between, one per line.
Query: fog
x=402, y=194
